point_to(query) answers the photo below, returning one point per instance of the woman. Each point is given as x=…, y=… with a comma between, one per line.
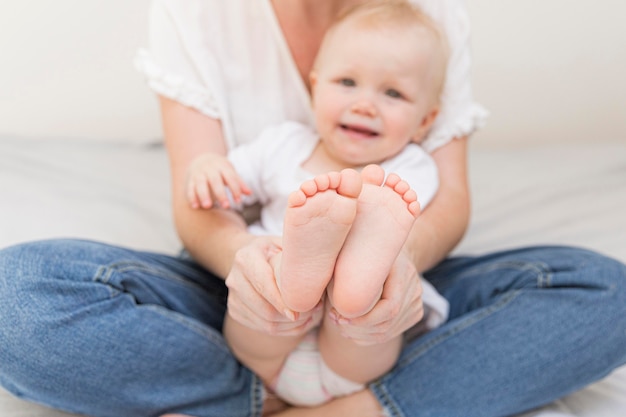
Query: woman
x=298, y=28
x=115, y=332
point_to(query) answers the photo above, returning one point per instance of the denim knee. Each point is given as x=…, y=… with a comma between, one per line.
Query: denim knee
x=600, y=272
x=14, y=259
x=31, y=260
x=604, y=281
x=16, y=267
x=27, y=275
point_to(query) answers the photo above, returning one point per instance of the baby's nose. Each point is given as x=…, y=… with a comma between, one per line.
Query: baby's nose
x=364, y=107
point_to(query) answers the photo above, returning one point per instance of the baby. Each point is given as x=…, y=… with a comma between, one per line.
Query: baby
x=375, y=87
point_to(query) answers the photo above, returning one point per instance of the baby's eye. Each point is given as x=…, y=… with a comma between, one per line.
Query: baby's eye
x=393, y=93
x=347, y=82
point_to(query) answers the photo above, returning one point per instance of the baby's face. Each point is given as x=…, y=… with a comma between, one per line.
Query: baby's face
x=370, y=92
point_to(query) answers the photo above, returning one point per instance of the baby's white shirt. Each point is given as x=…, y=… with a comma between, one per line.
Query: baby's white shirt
x=271, y=166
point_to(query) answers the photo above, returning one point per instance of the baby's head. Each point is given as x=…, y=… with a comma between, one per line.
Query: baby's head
x=382, y=58
x=394, y=22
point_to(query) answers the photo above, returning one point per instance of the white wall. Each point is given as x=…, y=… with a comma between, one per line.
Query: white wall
x=66, y=69
x=548, y=70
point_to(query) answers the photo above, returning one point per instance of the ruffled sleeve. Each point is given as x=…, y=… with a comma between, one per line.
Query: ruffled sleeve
x=168, y=65
x=174, y=86
x=460, y=115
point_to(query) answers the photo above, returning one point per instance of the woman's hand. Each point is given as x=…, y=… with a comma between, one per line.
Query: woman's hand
x=254, y=299
x=399, y=308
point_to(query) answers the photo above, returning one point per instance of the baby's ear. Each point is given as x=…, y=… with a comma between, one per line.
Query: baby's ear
x=425, y=125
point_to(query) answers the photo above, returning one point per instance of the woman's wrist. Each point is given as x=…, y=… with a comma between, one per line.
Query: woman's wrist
x=223, y=234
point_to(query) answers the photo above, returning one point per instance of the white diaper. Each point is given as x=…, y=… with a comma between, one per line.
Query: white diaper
x=305, y=380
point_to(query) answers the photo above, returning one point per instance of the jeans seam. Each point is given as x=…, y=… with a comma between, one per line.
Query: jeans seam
x=389, y=405
x=544, y=274
x=105, y=272
x=258, y=394
x=390, y=409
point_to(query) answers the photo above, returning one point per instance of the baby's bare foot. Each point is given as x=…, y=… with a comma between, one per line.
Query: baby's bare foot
x=385, y=215
x=318, y=218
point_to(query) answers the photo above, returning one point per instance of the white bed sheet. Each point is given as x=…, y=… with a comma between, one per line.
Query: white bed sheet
x=119, y=193
x=113, y=192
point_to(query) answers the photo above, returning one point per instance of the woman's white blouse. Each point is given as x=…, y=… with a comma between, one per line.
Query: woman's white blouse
x=229, y=60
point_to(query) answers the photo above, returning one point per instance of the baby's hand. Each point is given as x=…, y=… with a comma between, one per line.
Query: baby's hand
x=208, y=177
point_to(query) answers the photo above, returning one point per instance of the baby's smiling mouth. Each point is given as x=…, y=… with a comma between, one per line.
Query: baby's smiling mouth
x=358, y=130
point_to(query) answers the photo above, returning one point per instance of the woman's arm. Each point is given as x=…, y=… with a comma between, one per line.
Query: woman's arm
x=444, y=221
x=218, y=239
x=211, y=236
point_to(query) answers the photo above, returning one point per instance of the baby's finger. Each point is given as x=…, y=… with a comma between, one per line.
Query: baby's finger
x=244, y=188
x=237, y=181
x=192, y=197
x=218, y=189
x=233, y=182
x=204, y=195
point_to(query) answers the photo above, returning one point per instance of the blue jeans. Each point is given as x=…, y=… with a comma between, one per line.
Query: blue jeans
x=106, y=331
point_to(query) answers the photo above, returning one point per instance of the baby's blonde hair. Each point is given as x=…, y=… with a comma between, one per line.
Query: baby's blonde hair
x=398, y=14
